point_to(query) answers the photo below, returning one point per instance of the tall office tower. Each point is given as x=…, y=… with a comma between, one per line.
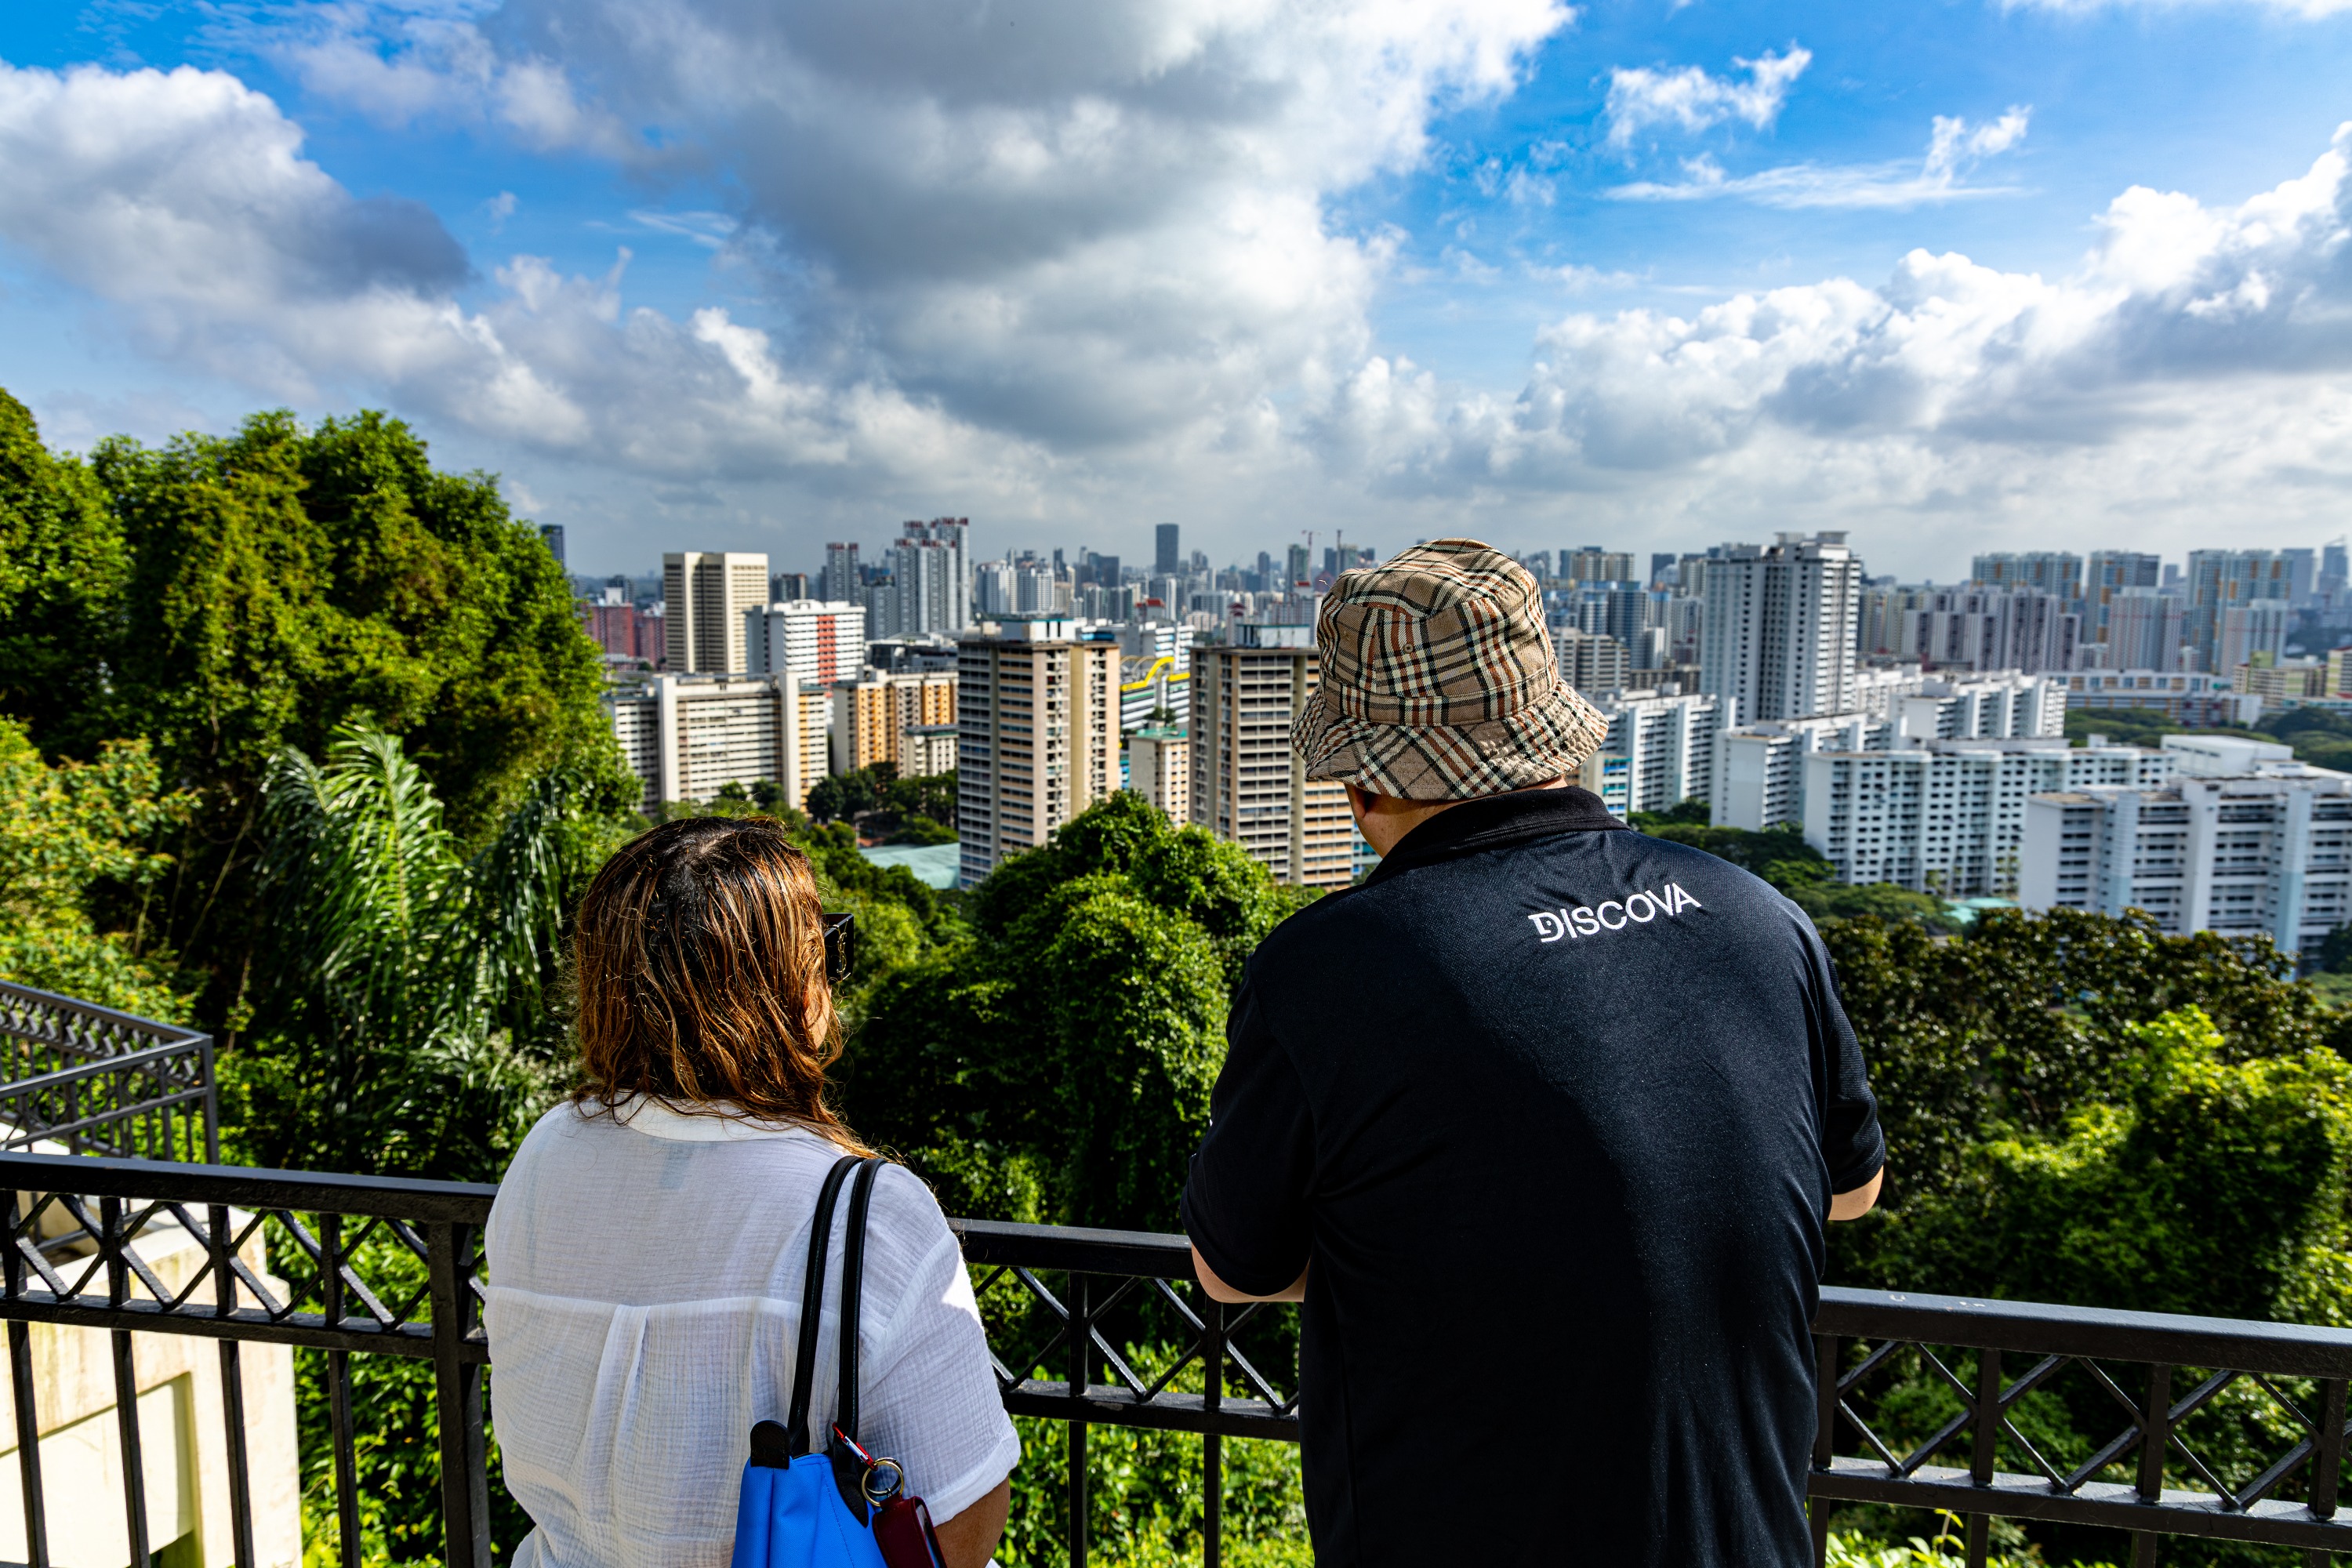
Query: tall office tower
x=1168, y=558
x=2334, y=569
x=839, y=581
x=1298, y=569
x=1690, y=572
x=552, y=535
x=708, y=592
x=1779, y=631
x=1249, y=788
x=2224, y=580
x=2058, y=571
x=1198, y=564
x=1661, y=569
x=786, y=586
x=1037, y=735
x=1033, y=589
x=819, y=642
x=1537, y=561
x=1265, y=571
x=2108, y=573
x=2145, y=630
x=687, y=737
x=1591, y=564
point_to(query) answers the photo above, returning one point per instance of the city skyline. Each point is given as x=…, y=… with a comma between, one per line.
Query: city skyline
x=1991, y=275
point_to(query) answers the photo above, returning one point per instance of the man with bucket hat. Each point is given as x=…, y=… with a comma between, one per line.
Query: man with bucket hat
x=1541, y=1122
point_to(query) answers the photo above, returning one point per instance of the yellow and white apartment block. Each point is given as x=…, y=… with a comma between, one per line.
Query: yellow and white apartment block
x=872, y=718
x=1249, y=788
x=687, y=737
x=1037, y=742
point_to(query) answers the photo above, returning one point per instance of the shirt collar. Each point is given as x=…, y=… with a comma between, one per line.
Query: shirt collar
x=724, y=1124
x=1494, y=820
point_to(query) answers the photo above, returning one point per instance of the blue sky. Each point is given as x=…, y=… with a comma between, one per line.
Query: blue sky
x=700, y=273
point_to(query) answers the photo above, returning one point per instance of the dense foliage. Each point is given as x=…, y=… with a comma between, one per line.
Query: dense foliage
x=1056, y=1063
x=223, y=598
x=887, y=807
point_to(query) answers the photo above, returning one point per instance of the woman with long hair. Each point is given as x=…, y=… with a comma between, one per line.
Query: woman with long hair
x=648, y=1245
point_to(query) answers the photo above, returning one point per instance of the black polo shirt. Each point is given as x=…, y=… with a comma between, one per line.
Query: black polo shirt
x=1551, y=1111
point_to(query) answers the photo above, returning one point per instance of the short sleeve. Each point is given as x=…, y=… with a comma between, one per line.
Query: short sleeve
x=1244, y=1204
x=1852, y=1147
x=930, y=1399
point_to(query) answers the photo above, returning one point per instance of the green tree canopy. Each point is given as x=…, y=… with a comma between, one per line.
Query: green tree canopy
x=65, y=830
x=1056, y=1063
x=226, y=598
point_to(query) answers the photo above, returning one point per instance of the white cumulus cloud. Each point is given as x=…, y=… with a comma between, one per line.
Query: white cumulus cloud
x=2197, y=359
x=1692, y=101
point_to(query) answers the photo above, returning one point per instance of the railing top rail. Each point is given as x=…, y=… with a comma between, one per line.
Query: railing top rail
x=50, y=999
x=2107, y=1333
x=251, y=1187
x=1148, y=1255
x=104, y=1065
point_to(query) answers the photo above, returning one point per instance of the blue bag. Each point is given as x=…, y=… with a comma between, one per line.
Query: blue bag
x=801, y=1509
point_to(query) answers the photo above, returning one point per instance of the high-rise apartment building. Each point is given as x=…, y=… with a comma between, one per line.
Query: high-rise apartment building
x=1591, y=661
x=2241, y=840
x=1780, y=630
x=1985, y=628
x=552, y=535
x=2146, y=629
x=2054, y=571
x=2249, y=633
x=1667, y=744
x=1948, y=817
x=1160, y=769
x=2334, y=569
x=818, y=641
x=687, y=737
x=1037, y=721
x=1249, y=788
x=1297, y=566
x=708, y=592
x=875, y=719
x=840, y=583
x=1168, y=558
x=1591, y=564
x=2220, y=580
x=2108, y=575
x=930, y=583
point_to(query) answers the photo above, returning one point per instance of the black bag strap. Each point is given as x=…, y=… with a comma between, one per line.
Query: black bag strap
x=796, y=1433
x=853, y=1277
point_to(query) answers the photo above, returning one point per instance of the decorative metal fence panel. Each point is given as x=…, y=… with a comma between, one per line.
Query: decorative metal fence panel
x=94, y=1081
x=362, y=1265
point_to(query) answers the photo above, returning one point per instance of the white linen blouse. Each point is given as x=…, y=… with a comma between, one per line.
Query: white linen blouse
x=644, y=1309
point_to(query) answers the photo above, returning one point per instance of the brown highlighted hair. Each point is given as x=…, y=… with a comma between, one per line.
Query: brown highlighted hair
x=699, y=961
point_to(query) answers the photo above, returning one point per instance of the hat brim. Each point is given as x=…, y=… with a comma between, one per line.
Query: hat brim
x=1547, y=738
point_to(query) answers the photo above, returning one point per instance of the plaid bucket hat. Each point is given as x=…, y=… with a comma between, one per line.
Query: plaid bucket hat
x=1439, y=681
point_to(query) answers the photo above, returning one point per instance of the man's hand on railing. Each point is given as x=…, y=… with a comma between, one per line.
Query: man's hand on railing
x=1220, y=1291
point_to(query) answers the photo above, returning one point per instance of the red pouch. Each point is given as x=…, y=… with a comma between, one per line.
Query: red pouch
x=902, y=1529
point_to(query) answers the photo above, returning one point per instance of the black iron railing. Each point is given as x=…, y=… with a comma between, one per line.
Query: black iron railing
x=392, y=1268
x=94, y=1081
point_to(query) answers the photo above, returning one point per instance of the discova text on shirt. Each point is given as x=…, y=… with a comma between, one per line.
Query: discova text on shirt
x=1637, y=908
